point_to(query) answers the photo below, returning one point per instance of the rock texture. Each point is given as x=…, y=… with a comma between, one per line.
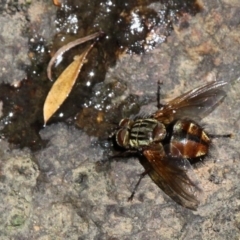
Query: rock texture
x=64, y=192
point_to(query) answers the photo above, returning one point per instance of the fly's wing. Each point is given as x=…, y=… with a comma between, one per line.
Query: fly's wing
x=175, y=176
x=195, y=104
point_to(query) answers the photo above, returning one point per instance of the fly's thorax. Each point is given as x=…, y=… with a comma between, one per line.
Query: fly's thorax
x=190, y=139
x=159, y=132
x=146, y=131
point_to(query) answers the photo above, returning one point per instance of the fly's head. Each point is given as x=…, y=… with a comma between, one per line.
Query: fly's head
x=122, y=133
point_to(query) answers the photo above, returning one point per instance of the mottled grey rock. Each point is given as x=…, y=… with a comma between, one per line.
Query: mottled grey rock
x=63, y=192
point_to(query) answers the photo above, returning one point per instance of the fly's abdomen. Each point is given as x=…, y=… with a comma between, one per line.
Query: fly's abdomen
x=189, y=139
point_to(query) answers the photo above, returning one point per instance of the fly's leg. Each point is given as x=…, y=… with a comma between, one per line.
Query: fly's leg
x=159, y=105
x=142, y=175
x=220, y=135
x=125, y=154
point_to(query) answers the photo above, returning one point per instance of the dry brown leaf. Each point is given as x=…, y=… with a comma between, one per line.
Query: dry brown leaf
x=57, y=3
x=63, y=86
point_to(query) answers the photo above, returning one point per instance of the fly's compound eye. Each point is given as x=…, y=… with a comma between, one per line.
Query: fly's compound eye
x=159, y=132
x=122, y=137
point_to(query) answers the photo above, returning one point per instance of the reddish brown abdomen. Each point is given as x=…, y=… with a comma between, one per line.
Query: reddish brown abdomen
x=189, y=139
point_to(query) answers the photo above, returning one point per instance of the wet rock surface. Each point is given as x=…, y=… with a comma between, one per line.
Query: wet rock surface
x=71, y=189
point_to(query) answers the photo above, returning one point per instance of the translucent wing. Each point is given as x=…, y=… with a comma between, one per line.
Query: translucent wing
x=195, y=104
x=175, y=176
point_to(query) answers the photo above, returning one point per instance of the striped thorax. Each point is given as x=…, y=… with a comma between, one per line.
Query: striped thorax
x=139, y=133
